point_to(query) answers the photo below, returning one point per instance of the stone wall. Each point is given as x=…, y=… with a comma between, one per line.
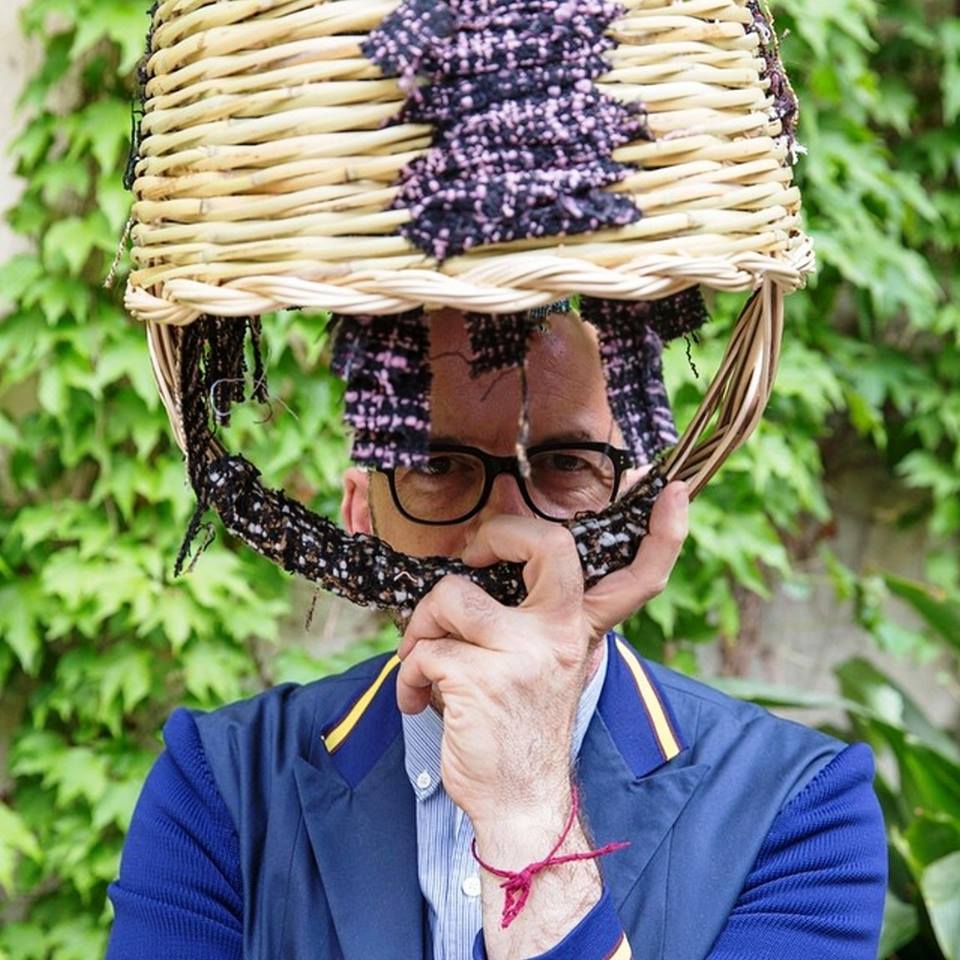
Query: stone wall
x=17, y=58
x=798, y=640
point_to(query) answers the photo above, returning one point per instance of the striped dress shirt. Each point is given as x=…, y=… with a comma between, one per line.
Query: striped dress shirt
x=449, y=876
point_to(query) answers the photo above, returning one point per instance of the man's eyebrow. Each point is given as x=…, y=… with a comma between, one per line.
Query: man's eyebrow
x=568, y=436
x=563, y=436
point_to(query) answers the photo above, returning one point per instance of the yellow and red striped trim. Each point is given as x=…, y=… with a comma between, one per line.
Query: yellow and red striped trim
x=667, y=739
x=337, y=734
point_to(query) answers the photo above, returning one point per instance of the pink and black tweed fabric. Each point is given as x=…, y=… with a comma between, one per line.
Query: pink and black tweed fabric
x=523, y=139
x=384, y=363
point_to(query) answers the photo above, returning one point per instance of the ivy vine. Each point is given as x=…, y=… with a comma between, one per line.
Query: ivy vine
x=98, y=643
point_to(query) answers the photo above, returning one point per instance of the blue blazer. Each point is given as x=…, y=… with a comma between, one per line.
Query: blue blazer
x=283, y=826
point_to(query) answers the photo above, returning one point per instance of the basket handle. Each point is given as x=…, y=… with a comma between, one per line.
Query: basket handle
x=367, y=571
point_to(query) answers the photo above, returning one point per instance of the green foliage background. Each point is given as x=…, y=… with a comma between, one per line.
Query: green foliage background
x=97, y=644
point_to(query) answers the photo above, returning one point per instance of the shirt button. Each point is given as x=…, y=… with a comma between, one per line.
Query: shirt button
x=471, y=886
x=424, y=780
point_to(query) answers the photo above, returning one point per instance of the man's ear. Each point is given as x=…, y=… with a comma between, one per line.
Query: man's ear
x=354, y=508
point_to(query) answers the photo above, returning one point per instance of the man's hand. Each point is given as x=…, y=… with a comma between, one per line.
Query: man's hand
x=510, y=679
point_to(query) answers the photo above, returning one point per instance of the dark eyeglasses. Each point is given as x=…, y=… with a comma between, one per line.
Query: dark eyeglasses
x=454, y=484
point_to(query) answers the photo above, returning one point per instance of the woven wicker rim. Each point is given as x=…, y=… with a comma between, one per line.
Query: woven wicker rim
x=503, y=284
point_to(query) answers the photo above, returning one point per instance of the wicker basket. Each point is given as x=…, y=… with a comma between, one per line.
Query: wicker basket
x=271, y=151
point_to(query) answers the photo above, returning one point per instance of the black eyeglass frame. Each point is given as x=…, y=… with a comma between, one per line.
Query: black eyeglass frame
x=494, y=465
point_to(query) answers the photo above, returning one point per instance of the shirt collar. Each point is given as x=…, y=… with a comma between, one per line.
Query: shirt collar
x=423, y=732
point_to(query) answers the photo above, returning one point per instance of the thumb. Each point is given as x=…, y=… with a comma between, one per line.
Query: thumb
x=624, y=591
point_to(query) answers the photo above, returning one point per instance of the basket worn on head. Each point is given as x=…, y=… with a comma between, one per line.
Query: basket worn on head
x=275, y=156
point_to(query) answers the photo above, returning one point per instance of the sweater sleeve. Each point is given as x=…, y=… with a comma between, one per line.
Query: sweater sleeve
x=598, y=936
x=179, y=894
x=818, y=884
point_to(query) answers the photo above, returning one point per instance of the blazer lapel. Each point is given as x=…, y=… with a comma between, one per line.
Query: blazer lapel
x=361, y=822
x=634, y=773
x=360, y=810
x=622, y=806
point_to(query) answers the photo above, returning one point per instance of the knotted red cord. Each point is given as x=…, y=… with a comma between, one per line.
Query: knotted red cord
x=516, y=884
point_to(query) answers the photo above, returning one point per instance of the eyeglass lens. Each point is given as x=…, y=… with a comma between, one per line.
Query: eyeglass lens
x=561, y=484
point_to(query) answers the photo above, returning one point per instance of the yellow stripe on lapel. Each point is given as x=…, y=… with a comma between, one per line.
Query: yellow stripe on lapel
x=666, y=738
x=622, y=951
x=335, y=737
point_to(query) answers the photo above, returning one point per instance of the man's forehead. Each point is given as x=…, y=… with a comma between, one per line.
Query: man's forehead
x=566, y=388
x=561, y=353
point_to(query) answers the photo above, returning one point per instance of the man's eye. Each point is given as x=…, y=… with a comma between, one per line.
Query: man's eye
x=435, y=467
x=567, y=463
x=445, y=465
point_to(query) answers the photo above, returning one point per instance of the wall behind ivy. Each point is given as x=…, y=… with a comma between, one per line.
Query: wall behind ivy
x=17, y=60
x=98, y=643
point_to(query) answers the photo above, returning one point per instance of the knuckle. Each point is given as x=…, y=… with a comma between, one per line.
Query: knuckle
x=410, y=661
x=444, y=595
x=658, y=585
x=568, y=652
x=440, y=649
x=557, y=538
x=678, y=533
x=528, y=671
x=445, y=588
x=478, y=605
x=433, y=614
x=567, y=657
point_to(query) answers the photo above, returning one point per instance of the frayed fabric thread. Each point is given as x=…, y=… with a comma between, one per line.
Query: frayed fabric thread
x=383, y=361
x=358, y=567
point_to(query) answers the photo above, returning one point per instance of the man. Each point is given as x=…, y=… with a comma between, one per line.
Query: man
x=315, y=822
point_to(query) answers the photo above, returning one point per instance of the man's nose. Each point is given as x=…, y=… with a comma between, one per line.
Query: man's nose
x=505, y=497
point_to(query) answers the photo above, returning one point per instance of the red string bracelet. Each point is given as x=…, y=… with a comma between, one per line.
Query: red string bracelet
x=516, y=884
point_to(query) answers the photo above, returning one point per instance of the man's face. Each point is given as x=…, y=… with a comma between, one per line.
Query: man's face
x=567, y=401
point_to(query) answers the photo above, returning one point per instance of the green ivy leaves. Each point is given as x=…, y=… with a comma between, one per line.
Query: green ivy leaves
x=97, y=644
x=15, y=838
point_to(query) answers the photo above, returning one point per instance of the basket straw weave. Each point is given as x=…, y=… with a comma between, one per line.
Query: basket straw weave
x=267, y=177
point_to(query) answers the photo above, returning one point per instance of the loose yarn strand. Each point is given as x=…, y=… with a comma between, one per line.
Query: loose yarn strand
x=516, y=884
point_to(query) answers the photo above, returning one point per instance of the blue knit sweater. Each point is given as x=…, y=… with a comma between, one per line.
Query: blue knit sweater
x=816, y=889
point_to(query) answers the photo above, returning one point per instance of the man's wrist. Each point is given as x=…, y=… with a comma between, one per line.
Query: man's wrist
x=554, y=896
x=535, y=822
x=520, y=836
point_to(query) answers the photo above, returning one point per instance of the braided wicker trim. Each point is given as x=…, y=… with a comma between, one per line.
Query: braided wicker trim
x=518, y=281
